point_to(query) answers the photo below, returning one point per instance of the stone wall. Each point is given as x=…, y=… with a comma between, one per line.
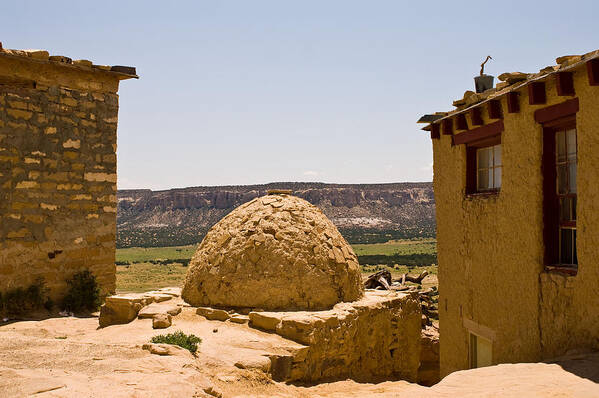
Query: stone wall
x=492, y=280
x=57, y=174
x=374, y=339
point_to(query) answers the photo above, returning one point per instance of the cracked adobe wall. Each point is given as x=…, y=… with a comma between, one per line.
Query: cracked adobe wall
x=490, y=249
x=57, y=173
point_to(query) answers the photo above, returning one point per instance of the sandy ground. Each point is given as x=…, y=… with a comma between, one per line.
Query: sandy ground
x=71, y=357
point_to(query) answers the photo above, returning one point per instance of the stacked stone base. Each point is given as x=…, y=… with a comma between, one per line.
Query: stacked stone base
x=374, y=339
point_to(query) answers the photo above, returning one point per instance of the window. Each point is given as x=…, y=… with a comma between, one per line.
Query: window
x=565, y=161
x=484, y=166
x=481, y=352
x=560, y=204
x=488, y=168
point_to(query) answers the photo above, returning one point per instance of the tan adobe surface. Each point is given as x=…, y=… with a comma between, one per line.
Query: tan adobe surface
x=491, y=248
x=275, y=252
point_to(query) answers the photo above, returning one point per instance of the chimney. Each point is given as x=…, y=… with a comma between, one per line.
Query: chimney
x=483, y=82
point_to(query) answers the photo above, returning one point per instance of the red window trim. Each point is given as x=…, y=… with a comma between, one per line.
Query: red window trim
x=471, y=167
x=478, y=134
x=550, y=196
x=558, y=111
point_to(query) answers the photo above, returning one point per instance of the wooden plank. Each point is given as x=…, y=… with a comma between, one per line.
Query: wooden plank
x=479, y=133
x=448, y=126
x=564, y=82
x=593, y=71
x=461, y=122
x=557, y=111
x=494, y=109
x=536, y=93
x=476, y=117
x=435, y=131
x=513, y=102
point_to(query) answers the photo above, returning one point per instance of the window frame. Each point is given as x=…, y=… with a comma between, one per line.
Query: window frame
x=552, y=223
x=472, y=166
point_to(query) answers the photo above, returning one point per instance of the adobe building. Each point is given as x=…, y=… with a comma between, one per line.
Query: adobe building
x=515, y=180
x=58, y=122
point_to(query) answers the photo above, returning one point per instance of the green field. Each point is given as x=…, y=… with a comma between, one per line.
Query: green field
x=146, y=254
x=138, y=270
x=403, y=247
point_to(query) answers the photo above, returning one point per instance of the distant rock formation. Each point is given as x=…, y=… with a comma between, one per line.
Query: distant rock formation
x=183, y=216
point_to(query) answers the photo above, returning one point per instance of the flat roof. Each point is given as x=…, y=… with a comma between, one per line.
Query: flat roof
x=44, y=57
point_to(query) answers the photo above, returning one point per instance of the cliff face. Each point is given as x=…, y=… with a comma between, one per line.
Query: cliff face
x=183, y=216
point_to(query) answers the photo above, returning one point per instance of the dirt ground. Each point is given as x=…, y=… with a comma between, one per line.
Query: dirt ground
x=72, y=357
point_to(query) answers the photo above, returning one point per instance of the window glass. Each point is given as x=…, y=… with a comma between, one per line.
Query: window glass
x=571, y=144
x=566, y=245
x=560, y=139
x=572, y=176
x=488, y=166
x=497, y=177
x=566, y=169
x=562, y=182
x=497, y=155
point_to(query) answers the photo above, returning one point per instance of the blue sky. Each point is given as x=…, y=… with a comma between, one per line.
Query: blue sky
x=244, y=92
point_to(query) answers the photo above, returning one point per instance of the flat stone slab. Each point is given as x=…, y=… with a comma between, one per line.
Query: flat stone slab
x=213, y=314
x=236, y=318
x=159, y=308
x=166, y=349
x=172, y=291
x=261, y=362
x=158, y=297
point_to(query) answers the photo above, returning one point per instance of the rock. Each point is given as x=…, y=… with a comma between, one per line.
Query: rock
x=375, y=338
x=156, y=308
x=172, y=291
x=568, y=60
x=38, y=54
x=236, y=318
x=161, y=321
x=82, y=62
x=120, y=309
x=211, y=390
x=549, y=69
x=157, y=296
x=256, y=362
x=274, y=252
x=166, y=349
x=264, y=320
x=213, y=314
x=502, y=85
x=513, y=77
x=61, y=58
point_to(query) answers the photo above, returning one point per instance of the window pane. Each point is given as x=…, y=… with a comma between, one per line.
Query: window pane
x=573, y=208
x=571, y=142
x=483, y=179
x=574, y=253
x=497, y=160
x=564, y=209
x=562, y=178
x=566, y=246
x=572, y=176
x=497, y=177
x=560, y=140
x=482, y=156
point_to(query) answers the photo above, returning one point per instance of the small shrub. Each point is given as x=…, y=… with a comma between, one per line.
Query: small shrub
x=189, y=342
x=83, y=293
x=21, y=300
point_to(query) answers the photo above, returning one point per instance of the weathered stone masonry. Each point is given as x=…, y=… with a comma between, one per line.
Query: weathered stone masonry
x=58, y=123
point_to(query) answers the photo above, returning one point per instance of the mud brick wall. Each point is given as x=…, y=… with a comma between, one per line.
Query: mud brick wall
x=57, y=185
